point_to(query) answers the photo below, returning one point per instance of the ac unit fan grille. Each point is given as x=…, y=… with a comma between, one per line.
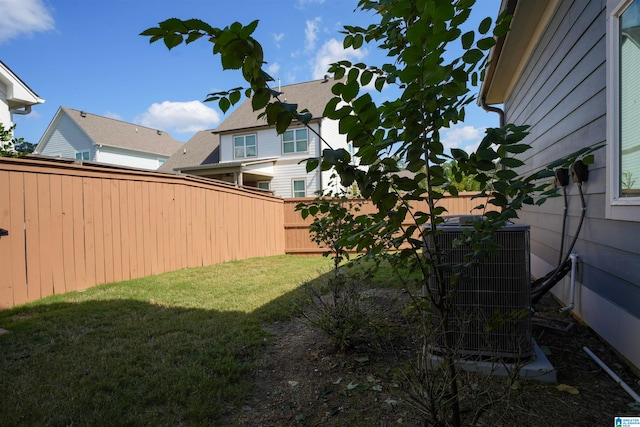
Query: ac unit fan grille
x=490, y=311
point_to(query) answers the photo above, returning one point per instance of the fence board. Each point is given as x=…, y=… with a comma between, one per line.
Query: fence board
x=116, y=233
x=17, y=236
x=107, y=231
x=56, y=249
x=68, y=254
x=44, y=233
x=77, y=187
x=6, y=285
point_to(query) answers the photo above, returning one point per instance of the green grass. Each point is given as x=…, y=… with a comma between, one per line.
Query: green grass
x=172, y=349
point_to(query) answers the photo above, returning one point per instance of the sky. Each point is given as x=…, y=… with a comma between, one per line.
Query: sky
x=88, y=55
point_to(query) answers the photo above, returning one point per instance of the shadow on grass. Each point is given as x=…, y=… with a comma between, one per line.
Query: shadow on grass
x=128, y=362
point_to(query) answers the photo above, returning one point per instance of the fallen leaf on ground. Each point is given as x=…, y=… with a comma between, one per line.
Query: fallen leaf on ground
x=567, y=388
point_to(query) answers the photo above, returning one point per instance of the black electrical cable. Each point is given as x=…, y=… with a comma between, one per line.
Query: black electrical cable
x=551, y=280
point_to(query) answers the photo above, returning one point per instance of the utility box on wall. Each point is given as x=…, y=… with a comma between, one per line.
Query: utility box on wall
x=490, y=305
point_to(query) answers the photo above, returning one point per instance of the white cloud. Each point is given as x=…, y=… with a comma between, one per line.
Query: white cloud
x=23, y=17
x=466, y=137
x=273, y=69
x=277, y=38
x=302, y=4
x=333, y=51
x=311, y=34
x=181, y=117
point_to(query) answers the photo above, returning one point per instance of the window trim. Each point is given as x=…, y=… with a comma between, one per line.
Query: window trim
x=293, y=188
x=619, y=208
x=264, y=182
x=244, y=136
x=295, y=145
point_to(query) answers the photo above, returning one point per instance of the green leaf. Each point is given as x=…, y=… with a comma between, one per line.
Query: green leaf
x=234, y=97
x=467, y=39
x=486, y=43
x=473, y=56
x=347, y=42
x=224, y=104
x=193, y=36
x=172, y=40
x=517, y=148
x=260, y=99
x=511, y=162
x=312, y=164
x=365, y=77
x=249, y=29
x=485, y=26
x=588, y=160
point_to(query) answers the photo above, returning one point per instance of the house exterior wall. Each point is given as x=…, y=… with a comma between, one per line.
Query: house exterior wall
x=288, y=167
x=128, y=158
x=5, y=114
x=562, y=95
x=66, y=140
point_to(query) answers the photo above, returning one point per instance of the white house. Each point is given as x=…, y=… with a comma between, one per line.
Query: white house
x=15, y=96
x=84, y=136
x=245, y=151
x=571, y=71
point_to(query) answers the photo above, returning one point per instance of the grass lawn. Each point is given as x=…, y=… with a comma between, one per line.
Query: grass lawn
x=172, y=349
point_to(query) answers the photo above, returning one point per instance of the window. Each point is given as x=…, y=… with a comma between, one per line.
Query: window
x=629, y=92
x=299, y=187
x=244, y=146
x=83, y=155
x=623, y=110
x=161, y=162
x=295, y=141
x=264, y=185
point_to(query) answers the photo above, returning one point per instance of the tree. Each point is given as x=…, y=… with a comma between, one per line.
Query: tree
x=434, y=91
x=12, y=147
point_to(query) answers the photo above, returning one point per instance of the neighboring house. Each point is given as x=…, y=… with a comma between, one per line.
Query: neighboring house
x=245, y=151
x=571, y=70
x=80, y=135
x=15, y=96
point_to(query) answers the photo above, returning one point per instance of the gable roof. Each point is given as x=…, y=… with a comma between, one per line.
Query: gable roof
x=203, y=148
x=116, y=133
x=313, y=96
x=19, y=94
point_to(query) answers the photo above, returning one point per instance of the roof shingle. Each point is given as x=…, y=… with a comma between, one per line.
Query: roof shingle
x=116, y=133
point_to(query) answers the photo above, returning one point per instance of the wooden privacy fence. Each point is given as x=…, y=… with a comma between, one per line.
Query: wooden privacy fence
x=71, y=227
x=298, y=240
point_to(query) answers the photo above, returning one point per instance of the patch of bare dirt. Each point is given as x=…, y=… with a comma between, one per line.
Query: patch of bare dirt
x=303, y=379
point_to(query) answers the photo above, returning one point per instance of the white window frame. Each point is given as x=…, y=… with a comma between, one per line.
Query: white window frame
x=268, y=187
x=620, y=208
x=82, y=153
x=295, y=141
x=233, y=145
x=293, y=187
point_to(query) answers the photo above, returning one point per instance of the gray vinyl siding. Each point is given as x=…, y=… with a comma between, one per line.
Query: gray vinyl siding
x=67, y=139
x=561, y=94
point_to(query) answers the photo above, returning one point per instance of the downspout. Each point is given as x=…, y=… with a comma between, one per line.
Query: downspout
x=22, y=112
x=492, y=109
x=320, y=187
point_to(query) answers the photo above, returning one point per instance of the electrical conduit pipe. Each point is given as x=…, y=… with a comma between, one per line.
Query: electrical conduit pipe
x=613, y=375
x=572, y=295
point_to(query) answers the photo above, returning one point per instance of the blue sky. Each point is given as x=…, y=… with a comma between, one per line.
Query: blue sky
x=87, y=55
